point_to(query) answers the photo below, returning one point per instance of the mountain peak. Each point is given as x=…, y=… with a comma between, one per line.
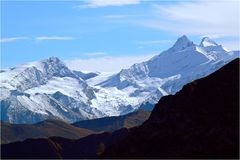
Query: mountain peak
x=55, y=67
x=183, y=37
x=182, y=43
x=52, y=60
x=206, y=42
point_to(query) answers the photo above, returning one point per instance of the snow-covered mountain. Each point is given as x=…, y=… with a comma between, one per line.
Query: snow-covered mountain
x=167, y=72
x=45, y=89
x=49, y=89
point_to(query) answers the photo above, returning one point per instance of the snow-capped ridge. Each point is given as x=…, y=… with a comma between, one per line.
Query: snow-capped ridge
x=185, y=59
x=206, y=42
x=55, y=67
x=52, y=60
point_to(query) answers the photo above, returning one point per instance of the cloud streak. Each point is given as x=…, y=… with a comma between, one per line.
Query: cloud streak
x=41, y=38
x=197, y=18
x=155, y=42
x=92, y=54
x=12, y=39
x=46, y=38
x=122, y=16
x=231, y=45
x=107, y=3
x=107, y=63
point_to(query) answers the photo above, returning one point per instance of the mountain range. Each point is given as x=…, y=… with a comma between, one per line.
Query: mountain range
x=199, y=121
x=48, y=89
x=110, y=124
x=56, y=128
x=48, y=128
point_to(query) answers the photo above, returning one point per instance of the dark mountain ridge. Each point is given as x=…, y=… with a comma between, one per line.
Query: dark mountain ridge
x=114, y=123
x=200, y=121
x=49, y=128
x=18, y=132
x=88, y=147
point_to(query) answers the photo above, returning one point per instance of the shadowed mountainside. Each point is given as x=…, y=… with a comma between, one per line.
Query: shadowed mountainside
x=200, y=121
x=48, y=128
x=56, y=147
x=114, y=123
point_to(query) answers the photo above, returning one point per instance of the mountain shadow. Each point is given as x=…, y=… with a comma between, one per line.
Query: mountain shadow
x=114, y=123
x=88, y=147
x=200, y=121
x=48, y=128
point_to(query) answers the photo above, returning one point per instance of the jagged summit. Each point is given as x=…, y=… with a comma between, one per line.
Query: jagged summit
x=167, y=72
x=183, y=38
x=182, y=43
x=206, y=42
x=52, y=60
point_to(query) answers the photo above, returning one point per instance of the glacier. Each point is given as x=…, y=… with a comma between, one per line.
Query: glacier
x=48, y=89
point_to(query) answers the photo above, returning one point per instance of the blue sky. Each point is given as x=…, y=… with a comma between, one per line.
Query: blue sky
x=107, y=35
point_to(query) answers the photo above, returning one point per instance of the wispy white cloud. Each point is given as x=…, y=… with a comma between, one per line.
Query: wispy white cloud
x=121, y=16
x=203, y=17
x=45, y=38
x=231, y=45
x=115, y=16
x=92, y=54
x=12, y=39
x=155, y=42
x=215, y=36
x=106, y=3
x=107, y=63
x=41, y=38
